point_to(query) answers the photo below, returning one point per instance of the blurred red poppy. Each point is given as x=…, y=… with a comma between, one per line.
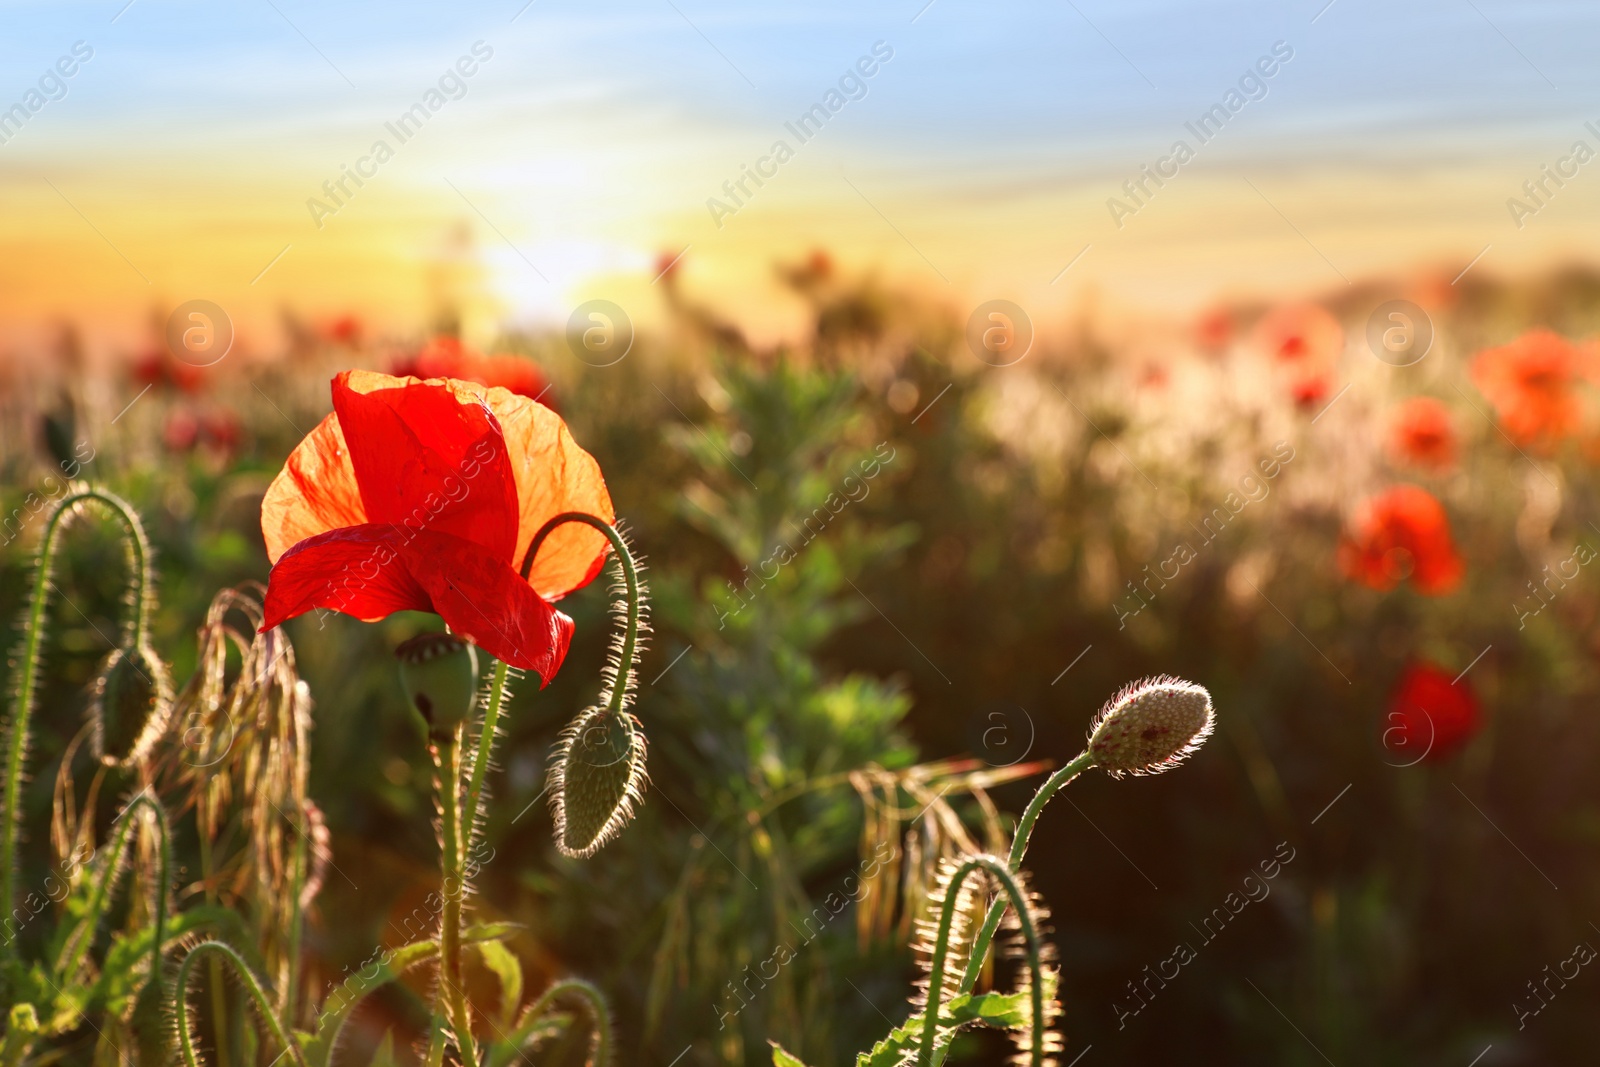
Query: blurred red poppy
x=424, y=496
x=1300, y=333
x=1424, y=435
x=1532, y=383
x=447, y=357
x=1431, y=716
x=1402, y=532
x=157, y=366
x=1213, y=331
x=1309, y=390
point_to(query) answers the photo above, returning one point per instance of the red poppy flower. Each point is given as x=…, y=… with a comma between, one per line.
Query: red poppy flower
x=1532, y=383
x=1301, y=333
x=1310, y=390
x=424, y=496
x=447, y=357
x=1430, y=716
x=157, y=366
x=1402, y=532
x=1423, y=434
x=1213, y=331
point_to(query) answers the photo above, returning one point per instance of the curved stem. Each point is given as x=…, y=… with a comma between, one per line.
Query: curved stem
x=79, y=941
x=451, y=993
x=1019, y=848
x=1012, y=891
x=630, y=574
x=593, y=1000
x=251, y=983
x=26, y=691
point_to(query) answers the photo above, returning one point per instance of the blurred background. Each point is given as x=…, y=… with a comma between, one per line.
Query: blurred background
x=1059, y=346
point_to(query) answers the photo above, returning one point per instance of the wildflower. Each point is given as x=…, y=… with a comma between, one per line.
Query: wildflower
x=1532, y=383
x=447, y=357
x=1309, y=390
x=1300, y=333
x=1402, y=532
x=1423, y=435
x=1431, y=716
x=1151, y=726
x=424, y=496
x=1213, y=331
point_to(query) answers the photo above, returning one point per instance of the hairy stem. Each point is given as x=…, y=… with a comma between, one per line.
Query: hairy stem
x=1019, y=848
x=485, y=749
x=27, y=685
x=576, y=989
x=81, y=939
x=452, y=996
x=251, y=983
x=1010, y=890
x=630, y=574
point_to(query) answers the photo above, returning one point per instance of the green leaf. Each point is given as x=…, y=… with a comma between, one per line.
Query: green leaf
x=783, y=1058
x=508, y=969
x=383, y=1055
x=490, y=932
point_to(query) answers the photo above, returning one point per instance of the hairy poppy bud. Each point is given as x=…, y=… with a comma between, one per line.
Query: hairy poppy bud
x=1151, y=726
x=440, y=673
x=597, y=778
x=129, y=705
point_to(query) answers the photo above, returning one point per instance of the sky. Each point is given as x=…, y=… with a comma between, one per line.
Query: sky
x=983, y=157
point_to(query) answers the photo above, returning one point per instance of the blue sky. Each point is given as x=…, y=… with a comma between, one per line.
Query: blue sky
x=597, y=131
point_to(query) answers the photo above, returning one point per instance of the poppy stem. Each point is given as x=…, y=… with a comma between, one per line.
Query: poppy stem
x=483, y=751
x=447, y=756
x=27, y=670
x=1019, y=848
x=1010, y=891
x=630, y=575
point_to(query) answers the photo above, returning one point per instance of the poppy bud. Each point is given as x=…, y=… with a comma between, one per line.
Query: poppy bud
x=1151, y=726
x=440, y=674
x=129, y=705
x=597, y=778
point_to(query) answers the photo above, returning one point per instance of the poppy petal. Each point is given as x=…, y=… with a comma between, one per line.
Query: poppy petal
x=315, y=492
x=374, y=570
x=554, y=475
x=351, y=570
x=487, y=602
x=428, y=457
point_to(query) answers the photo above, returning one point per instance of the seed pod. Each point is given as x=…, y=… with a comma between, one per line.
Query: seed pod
x=440, y=674
x=129, y=705
x=597, y=779
x=1151, y=726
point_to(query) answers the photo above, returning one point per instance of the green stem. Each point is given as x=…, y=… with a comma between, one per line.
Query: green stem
x=219, y=994
x=26, y=692
x=485, y=748
x=82, y=937
x=1010, y=890
x=451, y=994
x=297, y=882
x=1019, y=848
x=593, y=999
x=630, y=574
x=251, y=983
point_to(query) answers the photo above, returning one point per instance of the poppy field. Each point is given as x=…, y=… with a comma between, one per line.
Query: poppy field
x=1224, y=694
